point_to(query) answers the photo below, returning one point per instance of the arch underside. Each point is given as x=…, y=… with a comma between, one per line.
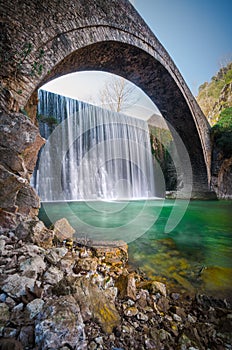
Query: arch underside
x=153, y=78
x=105, y=36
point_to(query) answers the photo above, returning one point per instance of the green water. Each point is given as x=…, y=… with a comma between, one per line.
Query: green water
x=196, y=255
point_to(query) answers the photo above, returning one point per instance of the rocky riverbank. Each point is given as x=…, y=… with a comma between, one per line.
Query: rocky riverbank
x=60, y=293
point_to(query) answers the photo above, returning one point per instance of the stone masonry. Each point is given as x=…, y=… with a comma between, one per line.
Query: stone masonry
x=43, y=40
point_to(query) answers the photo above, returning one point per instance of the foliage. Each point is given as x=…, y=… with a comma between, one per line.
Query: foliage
x=161, y=144
x=213, y=96
x=18, y=59
x=222, y=132
x=50, y=121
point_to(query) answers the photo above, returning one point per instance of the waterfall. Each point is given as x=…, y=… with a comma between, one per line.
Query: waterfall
x=91, y=153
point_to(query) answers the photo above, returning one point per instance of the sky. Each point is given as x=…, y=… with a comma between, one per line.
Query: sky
x=197, y=34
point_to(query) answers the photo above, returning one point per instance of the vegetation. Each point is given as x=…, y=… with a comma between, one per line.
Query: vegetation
x=215, y=96
x=161, y=145
x=50, y=121
x=118, y=95
x=222, y=132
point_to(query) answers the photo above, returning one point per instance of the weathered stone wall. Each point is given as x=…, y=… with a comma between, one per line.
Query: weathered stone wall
x=42, y=40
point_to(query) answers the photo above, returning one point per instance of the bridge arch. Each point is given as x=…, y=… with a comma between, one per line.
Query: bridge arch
x=47, y=42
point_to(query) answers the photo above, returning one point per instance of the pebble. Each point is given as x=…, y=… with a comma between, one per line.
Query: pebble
x=131, y=311
x=142, y=317
x=177, y=318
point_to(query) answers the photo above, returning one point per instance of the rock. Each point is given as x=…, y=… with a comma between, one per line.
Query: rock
x=15, y=285
x=10, y=184
x=116, y=250
x=27, y=201
x=60, y=323
x=163, y=304
x=7, y=220
x=142, y=317
x=63, y=229
x=10, y=302
x=32, y=267
x=10, y=344
x=142, y=298
x=53, y=275
x=131, y=311
x=2, y=245
x=10, y=332
x=126, y=286
x=26, y=336
x=154, y=287
x=34, y=231
x=34, y=307
x=4, y=314
x=95, y=304
x=177, y=318
x=56, y=254
x=85, y=265
x=164, y=335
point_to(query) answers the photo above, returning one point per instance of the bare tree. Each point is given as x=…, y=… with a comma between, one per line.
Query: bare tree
x=118, y=94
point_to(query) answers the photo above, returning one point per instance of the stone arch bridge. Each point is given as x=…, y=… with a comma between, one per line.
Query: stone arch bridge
x=43, y=40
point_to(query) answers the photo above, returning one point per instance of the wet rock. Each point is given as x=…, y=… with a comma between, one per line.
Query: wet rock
x=60, y=323
x=154, y=287
x=126, y=286
x=63, y=229
x=85, y=265
x=110, y=250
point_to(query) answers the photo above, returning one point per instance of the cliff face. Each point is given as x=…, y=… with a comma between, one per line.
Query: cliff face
x=215, y=96
x=20, y=142
x=215, y=99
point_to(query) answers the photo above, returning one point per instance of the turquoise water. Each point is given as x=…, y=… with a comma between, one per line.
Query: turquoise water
x=196, y=255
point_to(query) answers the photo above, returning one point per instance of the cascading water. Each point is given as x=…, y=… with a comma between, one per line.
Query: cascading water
x=92, y=153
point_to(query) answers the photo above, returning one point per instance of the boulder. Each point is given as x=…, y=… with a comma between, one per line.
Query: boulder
x=15, y=285
x=34, y=231
x=59, y=324
x=63, y=229
x=126, y=286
